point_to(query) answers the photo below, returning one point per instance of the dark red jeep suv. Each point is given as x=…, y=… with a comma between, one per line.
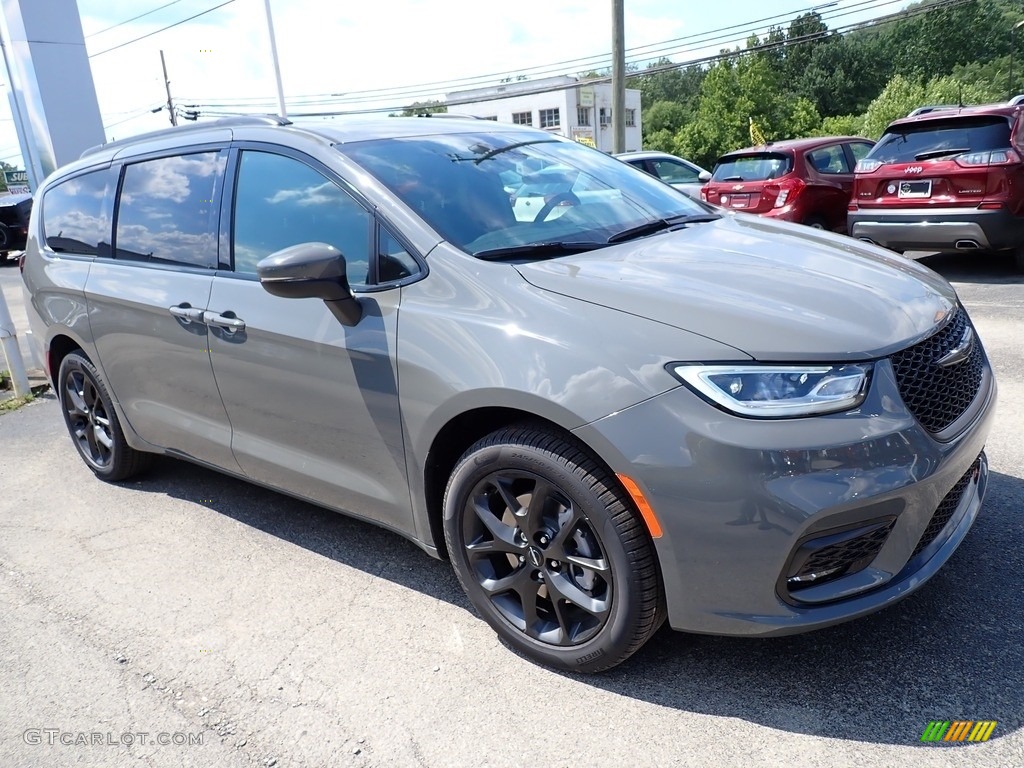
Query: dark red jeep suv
x=945, y=179
x=807, y=181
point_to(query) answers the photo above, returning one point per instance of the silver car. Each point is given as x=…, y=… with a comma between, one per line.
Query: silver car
x=683, y=175
x=633, y=409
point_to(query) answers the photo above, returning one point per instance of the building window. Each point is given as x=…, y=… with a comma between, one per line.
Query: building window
x=606, y=116
x=630, y=118
x=583, y=115
x=522, y=118
x=550, y=118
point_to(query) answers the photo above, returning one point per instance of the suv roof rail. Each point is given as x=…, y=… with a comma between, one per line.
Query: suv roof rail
x=226, y=122
x=932, y=108
x=1018, y=99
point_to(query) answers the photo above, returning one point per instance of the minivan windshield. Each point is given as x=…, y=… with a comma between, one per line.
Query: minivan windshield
x=753, y=167
x=498, y=193
x=935, y=139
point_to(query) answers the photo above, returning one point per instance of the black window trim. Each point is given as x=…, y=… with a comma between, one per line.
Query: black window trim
x=121, y=163
x=376, y=220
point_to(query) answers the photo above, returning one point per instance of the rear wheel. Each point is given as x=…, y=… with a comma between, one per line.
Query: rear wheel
x=92, y=422
x=815, y=222
x=550, y=552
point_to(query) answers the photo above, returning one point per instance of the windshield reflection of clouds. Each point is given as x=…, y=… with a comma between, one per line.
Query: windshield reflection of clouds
x=464, y=186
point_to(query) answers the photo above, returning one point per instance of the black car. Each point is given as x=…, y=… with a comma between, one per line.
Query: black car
x=14, y=214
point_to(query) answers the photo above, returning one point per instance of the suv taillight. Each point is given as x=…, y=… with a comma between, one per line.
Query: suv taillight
x=995, y=157
x=786, y=191
x=867, y=165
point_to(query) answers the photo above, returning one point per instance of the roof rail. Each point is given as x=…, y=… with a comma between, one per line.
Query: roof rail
x=932, y=108
x=1018, y=99
x=226, y=122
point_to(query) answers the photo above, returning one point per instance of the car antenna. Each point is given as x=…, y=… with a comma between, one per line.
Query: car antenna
x=960, y=94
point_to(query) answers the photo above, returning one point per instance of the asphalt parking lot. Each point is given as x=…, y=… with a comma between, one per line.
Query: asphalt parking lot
x=200, y=608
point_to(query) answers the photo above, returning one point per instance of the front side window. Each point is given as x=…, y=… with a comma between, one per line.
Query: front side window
x=75, y=219
x=522, y=118
x=550, y=118
x=463, y=186
x=167, y=210
x=280, y=202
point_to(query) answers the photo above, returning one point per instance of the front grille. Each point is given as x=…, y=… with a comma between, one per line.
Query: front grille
x=946, y=509
x=833, y=556
x=939, y=395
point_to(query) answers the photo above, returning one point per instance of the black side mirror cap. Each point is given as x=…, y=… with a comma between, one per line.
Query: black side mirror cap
x=311, y=271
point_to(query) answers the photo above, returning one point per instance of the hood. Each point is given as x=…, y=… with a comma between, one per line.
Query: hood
x=776, y=291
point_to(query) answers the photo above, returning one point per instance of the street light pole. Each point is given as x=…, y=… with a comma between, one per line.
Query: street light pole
x=618, y=77
x=1013, y=33
x=277, y=67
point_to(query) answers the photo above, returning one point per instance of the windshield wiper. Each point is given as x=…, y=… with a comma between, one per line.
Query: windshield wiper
x=662, y=225
x=538, y=250
x=940, y=153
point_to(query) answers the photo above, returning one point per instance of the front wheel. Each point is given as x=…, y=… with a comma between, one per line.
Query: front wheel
x=550, y=551
x=92, y=422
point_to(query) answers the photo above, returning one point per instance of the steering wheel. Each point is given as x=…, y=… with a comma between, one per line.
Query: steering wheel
x=549, y=206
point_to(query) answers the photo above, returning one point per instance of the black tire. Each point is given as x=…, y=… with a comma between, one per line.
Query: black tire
x=577, y=535
x=816, y=222
x=1018, y=259
x=92, y=422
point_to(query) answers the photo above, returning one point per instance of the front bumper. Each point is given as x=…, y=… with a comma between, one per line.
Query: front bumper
x=936, y=229
x=736, y=499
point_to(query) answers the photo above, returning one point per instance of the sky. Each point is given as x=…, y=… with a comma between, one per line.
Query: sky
x=333, y=54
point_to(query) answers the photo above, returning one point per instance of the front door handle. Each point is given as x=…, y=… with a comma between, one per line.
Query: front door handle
x=187, y=312
x=226, y=321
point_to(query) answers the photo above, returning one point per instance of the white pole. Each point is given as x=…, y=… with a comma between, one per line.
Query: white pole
x=277, y=66
x=9, y=341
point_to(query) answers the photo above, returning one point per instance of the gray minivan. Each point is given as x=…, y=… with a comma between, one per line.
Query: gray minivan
x=625, y=408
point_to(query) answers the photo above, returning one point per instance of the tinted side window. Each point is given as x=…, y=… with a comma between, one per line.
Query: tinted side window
x=673, y=172
x=829, y=160
x=280, y=202
x=75, y=216
x=167, y=209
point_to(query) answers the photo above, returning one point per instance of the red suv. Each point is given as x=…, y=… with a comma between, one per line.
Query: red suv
x=807, y=181
x=945, y=179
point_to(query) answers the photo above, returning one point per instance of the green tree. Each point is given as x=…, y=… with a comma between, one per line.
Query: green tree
x=419, y=108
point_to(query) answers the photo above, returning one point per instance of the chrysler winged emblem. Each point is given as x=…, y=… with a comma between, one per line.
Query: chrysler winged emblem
x=960, y=352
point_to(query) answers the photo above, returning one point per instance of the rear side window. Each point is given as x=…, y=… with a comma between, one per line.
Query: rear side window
x=941, y=138
x=167, y=210
x=673, y=172
x=76, y=218
x=829, y=160
x=755, y=167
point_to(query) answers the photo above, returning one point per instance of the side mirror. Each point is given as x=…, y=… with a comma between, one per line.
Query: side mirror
x=311, y=271
x=704, y=177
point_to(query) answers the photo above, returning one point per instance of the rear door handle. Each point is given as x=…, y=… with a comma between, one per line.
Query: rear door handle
x=187, y=312
x=225, y=321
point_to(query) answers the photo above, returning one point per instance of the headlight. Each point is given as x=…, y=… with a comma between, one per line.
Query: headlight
x=779, y=391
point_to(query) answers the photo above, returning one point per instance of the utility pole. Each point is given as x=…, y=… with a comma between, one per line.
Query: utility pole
x=277, y=67
x=167, y=84
x=618, y=77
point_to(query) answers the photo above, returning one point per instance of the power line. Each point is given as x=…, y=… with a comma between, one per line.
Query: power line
x=163, y=29
x=700, y=41
x=133, y=18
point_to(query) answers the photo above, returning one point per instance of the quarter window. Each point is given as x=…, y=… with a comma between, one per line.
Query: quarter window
x=393, y=260
x=75, y=215
x=522, y=118
x=550, y=118
x=167, y=210
x=280, y=202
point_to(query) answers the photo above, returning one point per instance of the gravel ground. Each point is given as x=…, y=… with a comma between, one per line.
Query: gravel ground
x=196, y=607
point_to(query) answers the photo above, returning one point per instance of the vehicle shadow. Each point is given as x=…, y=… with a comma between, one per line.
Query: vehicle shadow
x=952, y=651
x=972, y=266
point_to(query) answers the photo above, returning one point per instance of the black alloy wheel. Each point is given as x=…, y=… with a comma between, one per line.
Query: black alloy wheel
x=92, y=422
x=550, y=551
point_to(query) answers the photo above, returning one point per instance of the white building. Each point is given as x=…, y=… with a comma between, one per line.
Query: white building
x=557, y=104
